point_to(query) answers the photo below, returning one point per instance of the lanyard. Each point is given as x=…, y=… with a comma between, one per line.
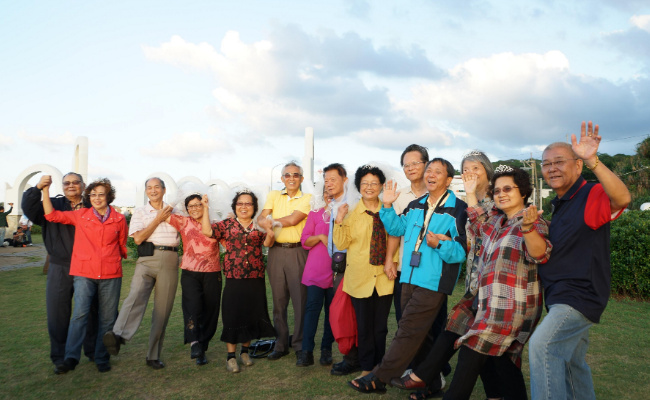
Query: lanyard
x=427, y=219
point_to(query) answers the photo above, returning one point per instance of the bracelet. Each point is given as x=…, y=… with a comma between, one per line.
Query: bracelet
x=532, y=228
x=595, y=165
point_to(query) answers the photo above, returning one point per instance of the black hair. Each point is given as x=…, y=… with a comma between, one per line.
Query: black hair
x=521, y=179
x=238, y=195
x=190, y=198
x=445, y=163
x=106, y=183
x=424, y=153
x=365, y=170
x=338, y=168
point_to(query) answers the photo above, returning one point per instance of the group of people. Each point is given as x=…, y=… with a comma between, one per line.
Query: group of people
x=22, y=236
x=367, y=242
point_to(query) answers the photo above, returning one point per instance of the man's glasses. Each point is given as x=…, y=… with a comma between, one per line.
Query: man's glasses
x=505, y=189
x=558, y=163
x=295, y=175
x=413, y=164
x=68, y=183
x=242, y=204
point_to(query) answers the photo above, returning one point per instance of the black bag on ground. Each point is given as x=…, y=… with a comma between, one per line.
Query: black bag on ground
x=261, y=348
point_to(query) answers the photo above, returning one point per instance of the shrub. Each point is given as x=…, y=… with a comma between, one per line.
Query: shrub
x=630, y=252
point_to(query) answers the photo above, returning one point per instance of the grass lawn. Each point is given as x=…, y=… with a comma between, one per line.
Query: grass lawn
x=620, y=348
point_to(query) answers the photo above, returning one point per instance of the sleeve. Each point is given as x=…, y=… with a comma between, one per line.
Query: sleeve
x=218, y=230
x=342, y=234
x=137, y=222
x=541, y=226
x=62, y=217
x=270, y=200
x=304, y=206
x=122, y=237
x=598, y=210
x=395, y=225
x=176, y=221
x=32, y=206
x=455, y=250
x=309, y=229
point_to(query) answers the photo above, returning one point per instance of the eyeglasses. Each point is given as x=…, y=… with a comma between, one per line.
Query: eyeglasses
x=194, y=206
x=295, y=175
x=558, y=163
x=413, y=164
x=505, y=189
x=370, y=184
x=68, y=183
x=242, y=204
x=100, y=195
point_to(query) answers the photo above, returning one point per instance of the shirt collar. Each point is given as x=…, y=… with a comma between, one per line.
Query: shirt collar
x=102, y=218
x=298, y=195
x=150, y=208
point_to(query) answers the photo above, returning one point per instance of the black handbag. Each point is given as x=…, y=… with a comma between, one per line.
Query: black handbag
x=338, y=262
x=145, y=249
x=261, y=348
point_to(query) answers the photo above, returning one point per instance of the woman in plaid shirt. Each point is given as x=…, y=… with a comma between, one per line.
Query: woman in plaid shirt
x=495, y=320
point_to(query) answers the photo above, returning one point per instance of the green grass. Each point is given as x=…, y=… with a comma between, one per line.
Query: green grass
x=618, y=353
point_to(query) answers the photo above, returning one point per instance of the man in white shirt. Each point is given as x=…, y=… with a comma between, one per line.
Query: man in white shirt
x=157, y=267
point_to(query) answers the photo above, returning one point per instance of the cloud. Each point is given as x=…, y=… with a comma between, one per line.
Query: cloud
x=48, y=141
x=188, y=146
x=358, y=8
x=522, y=100
x=633, y=42
x=6, y=141
x=294, y=79
x=641, y=22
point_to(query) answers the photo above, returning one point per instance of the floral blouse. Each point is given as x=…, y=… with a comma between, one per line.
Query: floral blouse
x=200, y=254
x=244, y=257
x=501, y=316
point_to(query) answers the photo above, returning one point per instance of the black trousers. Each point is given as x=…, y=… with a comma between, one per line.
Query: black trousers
x=372, y=327
x=495, y=378
x=200, y=302
x=58, y=301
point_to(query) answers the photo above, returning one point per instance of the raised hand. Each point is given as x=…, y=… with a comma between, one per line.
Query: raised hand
x=46, y=180
x=342, y=212
x=530, y=216
x=587, y=147
x=204, y=201
x=470, y=180
x=390, y=193
x=164, y=213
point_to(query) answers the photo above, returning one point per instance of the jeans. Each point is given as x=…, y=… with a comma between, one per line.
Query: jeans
x=556, y=354
x=108, y=295
x=316, y=296
x=3, y=230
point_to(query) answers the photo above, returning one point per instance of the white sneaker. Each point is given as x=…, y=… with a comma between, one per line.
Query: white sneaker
x=245, y=359
x=407, y=372
x=444, y=382
x=232, y=366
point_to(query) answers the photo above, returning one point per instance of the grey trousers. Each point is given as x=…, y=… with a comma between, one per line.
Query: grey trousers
x=159, y=271
x=285, y=268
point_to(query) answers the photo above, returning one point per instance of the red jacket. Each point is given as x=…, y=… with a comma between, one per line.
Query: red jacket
x=98, y=248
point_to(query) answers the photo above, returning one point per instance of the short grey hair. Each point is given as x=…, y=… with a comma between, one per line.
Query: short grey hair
x=162, y=183
x=291, y=164
x=479, y=156
x=563, y=145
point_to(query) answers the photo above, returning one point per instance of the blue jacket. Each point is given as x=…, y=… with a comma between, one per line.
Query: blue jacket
x=439, y=268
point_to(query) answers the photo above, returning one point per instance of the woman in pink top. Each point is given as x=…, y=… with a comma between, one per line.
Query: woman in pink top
x=318, y=278
x=200, y=279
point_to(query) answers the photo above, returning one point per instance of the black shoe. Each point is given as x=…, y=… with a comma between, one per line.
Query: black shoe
x=112, y=343
x=69, y=364
x=201, y=360
x=325, y=357
x=103, y=367
x=306, y=359
x=276, y=355
x=155, y=364
x=196, y=350
x=343, y=368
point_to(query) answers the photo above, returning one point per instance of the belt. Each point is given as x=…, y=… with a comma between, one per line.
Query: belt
x=168, y=248
x=287, y=245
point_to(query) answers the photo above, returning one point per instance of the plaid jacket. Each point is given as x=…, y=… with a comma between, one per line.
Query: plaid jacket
x=501, y=315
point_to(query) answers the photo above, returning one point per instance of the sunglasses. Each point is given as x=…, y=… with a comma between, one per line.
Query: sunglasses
x=505, y=189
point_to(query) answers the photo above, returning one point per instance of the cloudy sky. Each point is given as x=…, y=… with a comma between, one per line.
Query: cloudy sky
x=225, y=89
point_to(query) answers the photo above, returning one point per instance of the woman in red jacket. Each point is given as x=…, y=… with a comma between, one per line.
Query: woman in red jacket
x=99, y=247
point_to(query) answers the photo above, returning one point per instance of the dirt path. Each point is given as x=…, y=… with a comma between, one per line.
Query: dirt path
x=22, y=257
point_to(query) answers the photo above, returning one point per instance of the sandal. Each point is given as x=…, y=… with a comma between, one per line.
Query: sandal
x=368, y=384
x=426, y=394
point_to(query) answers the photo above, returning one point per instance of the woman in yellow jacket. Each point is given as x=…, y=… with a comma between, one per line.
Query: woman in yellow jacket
x=363, y=235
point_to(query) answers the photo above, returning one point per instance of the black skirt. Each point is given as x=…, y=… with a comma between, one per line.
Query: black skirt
x=244, y=311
